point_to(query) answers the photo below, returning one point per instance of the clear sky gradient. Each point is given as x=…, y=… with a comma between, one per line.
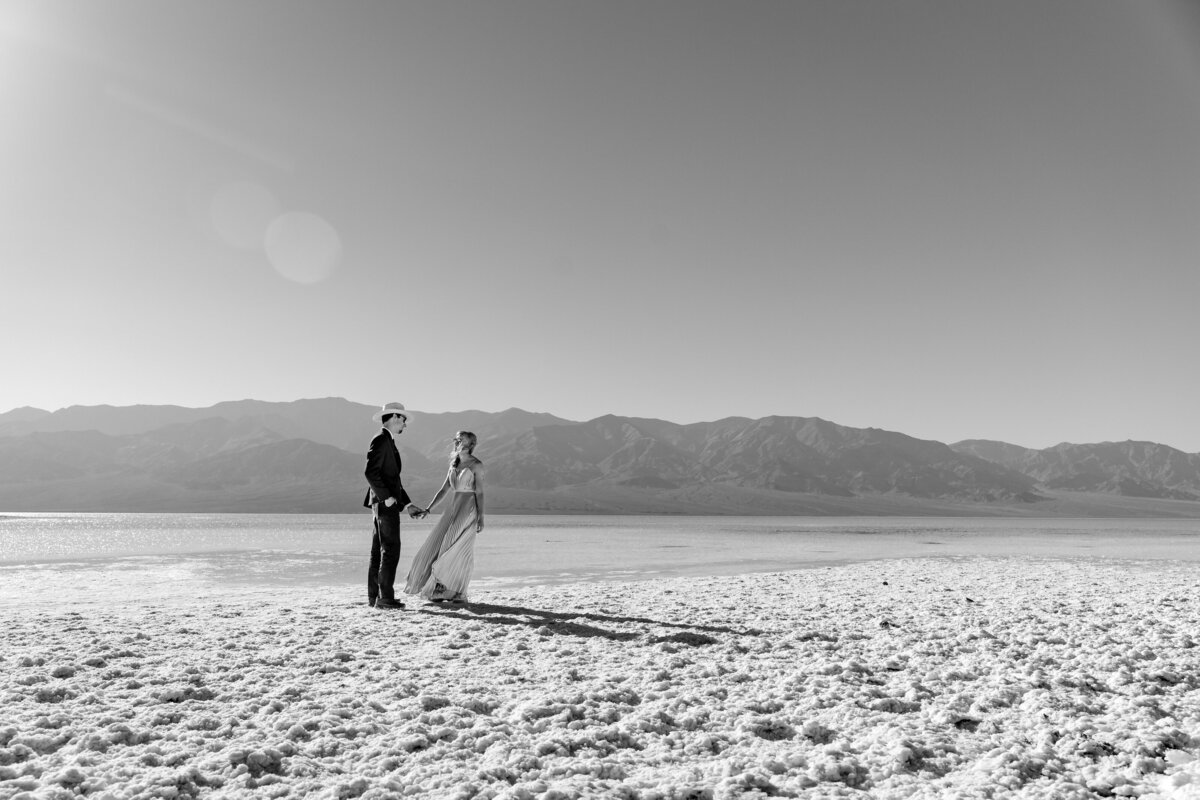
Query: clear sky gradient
x=952, y=219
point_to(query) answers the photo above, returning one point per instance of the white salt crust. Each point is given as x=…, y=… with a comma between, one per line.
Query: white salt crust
x=929, y=678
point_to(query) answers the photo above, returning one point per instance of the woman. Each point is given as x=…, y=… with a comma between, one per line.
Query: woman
x=442, y=567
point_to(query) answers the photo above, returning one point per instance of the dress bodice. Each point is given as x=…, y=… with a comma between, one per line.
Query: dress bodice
x=462, y=479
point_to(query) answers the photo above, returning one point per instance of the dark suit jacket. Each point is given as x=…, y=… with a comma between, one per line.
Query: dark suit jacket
x=383, y=472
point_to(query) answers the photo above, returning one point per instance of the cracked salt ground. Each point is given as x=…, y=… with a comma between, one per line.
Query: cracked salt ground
x=923, y=678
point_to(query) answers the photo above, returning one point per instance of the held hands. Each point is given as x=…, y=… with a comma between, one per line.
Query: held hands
x=414, y=511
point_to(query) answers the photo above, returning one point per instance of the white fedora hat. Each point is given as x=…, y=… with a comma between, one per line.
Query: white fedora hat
x=392, y=408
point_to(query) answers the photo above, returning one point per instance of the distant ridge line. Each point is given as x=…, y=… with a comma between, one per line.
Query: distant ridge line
x=247, y=455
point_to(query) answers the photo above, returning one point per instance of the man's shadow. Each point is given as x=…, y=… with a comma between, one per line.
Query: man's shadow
x=565, y=622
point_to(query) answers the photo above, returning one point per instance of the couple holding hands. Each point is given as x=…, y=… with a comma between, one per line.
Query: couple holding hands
x=441, y=570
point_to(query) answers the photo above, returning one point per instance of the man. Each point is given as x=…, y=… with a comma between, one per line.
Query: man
x=386, y=498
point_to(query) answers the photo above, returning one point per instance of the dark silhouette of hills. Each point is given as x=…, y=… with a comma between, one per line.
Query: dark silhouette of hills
x=209, y=465
x=24, y=414
x=1131, y=469
x=783, y=454
x=332, y=420
x=308, y=456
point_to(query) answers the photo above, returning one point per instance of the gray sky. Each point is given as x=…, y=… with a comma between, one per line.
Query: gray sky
x=952, y=219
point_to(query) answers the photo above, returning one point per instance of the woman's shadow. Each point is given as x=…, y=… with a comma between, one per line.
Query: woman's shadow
x=566, y=623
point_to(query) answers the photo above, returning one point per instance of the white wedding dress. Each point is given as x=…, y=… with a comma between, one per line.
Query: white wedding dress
x=442, y=568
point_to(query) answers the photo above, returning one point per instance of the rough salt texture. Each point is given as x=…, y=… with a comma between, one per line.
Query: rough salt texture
x=924, y=678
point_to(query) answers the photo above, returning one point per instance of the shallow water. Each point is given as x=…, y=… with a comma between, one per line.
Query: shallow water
x=113, y=557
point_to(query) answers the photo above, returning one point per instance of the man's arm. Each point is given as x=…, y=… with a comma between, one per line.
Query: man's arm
x=374, y=470
x=405, y=502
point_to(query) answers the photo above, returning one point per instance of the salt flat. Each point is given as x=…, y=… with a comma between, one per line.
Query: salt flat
x=182, y=557
x=935, y=677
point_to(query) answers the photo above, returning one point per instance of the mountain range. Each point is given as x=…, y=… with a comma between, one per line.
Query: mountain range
x=308, y=456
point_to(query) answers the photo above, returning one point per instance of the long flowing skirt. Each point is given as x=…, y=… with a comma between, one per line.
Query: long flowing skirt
x=442, y=567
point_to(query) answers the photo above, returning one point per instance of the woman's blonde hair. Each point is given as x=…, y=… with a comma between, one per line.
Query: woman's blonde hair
x=470, y=440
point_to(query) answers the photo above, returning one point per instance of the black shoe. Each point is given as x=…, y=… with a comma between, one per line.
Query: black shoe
x=381, y=603
x=371, y=601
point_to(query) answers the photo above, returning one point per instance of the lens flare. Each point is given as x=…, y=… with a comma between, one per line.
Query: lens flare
x=303, y=247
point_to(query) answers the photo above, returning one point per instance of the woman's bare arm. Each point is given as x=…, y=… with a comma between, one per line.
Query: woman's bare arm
x=438, y=496
x=478, y=498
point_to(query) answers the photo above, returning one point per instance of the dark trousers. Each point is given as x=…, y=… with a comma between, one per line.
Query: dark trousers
x=385, y=553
